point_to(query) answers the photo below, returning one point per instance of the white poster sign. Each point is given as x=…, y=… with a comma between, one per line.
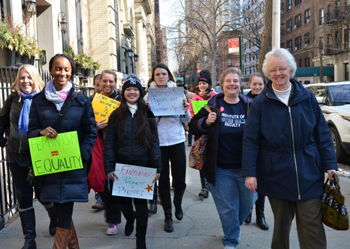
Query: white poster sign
x=134, y=181
x=166, y=101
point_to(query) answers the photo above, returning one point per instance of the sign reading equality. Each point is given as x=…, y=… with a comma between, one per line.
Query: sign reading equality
x=103, y=106
x=198, y=104
x=134, y=181
x=166, y=101
x=53, y=155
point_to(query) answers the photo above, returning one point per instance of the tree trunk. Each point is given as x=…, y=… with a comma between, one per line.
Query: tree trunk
x=266, y=36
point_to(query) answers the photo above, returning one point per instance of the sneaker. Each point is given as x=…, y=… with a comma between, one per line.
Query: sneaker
x=98, y=206
x=112, y=229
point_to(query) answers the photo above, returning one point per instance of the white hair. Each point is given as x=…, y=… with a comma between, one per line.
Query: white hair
x=281, y=53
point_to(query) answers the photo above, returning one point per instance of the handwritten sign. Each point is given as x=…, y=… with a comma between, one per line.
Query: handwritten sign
x=166, y=101
x=53, y=155
x=134, y=181
x=198, y=104
x=103, y=106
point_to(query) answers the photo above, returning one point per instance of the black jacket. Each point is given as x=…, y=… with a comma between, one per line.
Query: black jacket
x=128, y=150
x=69, y=186
x=9, y=116
x=196, y=128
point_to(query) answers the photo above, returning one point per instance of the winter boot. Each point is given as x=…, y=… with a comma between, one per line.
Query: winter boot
x=168, y=222
x=204, y=192
x=73, y=242
x=178, y=194
x=51, y=210
x=259, y=208
x=62, y=237
x=141, y=237
x=28, y=227
x=248, y=219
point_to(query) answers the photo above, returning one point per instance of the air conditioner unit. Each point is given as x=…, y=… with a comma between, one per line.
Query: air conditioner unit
x=295, y=26
x=295, y=48
x=288, y=29
x=290, y=7
x=307, y=20
x=306, y=45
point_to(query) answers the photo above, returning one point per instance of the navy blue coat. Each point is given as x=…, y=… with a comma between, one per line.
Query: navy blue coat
x=69, y=186
x=288, y=148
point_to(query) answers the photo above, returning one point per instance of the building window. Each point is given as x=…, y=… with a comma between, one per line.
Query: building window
x=307, y=62
x=337, y=39
x=297, y=21
x=289, y=25
x=297, y=43
x=282, y=9
x=307, y=16
x=282, y=29
x=321, y=16
x=300, y=64
x=329, y=39
x=289, y=5
x=282, y=45
x=307, y=39
x=346, y=39
x=297, y=2
x=289, y=45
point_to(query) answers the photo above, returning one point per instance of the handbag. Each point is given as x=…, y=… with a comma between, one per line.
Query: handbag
x=35, y=181
x=333, y=209
x=198, y=153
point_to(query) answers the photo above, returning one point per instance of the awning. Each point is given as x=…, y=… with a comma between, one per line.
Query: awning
x=314, y=71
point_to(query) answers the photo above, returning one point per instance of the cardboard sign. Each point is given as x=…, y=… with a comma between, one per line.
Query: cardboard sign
x=198, y=104
x=53, y=155
x=103, y=106
x=166, y=101
x=134, y=181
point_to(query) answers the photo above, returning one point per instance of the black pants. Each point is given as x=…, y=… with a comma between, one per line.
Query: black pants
x=23, y=189
x=177, y=156
x=64, y=213
x=141, y=213
x=111, y=202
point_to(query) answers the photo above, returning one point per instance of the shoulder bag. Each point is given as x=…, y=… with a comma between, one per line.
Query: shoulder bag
x=334, y=211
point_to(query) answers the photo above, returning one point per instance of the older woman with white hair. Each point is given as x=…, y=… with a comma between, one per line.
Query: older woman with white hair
x=287, y=148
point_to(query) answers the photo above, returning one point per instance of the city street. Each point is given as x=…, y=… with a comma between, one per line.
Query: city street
x=200, y=227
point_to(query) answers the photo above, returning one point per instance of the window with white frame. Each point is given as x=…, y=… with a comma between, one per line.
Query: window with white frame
x=297, y=21
x=297, y=43
x=289, y=5
x=307, y=39
x=289, y=25
x=289, y=45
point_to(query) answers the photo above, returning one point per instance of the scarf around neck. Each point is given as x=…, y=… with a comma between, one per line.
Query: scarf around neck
x=23, y=120
x=57, y=97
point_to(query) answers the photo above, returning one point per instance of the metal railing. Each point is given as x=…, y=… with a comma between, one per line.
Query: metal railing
x=8, y=200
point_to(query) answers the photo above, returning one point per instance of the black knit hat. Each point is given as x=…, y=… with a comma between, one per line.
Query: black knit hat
x=205, y=76
x=132, y=80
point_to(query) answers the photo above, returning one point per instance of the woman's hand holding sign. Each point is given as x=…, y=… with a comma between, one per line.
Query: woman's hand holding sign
x=101, y=124
x=112, y=176
x=211, y=118
x=49, y=132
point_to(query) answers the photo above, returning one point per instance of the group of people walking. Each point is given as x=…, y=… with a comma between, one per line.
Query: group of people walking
x=274, y=142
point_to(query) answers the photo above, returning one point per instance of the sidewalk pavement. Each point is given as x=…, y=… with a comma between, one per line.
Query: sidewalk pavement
x=200, y=227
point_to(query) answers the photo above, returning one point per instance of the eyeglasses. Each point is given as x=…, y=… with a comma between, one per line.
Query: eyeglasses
x=281, y=70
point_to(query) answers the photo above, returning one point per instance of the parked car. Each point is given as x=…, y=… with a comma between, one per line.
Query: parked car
x=334, y=100
x=246, y=91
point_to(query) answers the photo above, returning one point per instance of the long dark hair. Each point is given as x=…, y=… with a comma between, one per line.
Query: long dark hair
x=146, y=134
x=163, y=66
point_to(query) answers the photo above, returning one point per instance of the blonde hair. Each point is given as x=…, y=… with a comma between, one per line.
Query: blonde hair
x=34, y=74
x=233, y=70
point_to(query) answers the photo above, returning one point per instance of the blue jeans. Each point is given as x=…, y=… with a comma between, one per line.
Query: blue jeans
x=234, y=202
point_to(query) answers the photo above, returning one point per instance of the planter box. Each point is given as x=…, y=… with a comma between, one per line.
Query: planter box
x=79, y=71
x=16, y=60
x=5, y=57
x=88, y=73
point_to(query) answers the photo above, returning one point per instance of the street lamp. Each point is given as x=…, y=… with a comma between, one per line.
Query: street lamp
x=30, y=7
x=62, y=21
x=136, y=57
x=130, y=53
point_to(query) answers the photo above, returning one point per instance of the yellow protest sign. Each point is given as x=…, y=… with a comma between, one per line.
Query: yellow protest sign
x=198, y=104
x=103, y=106
x=53, y=155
